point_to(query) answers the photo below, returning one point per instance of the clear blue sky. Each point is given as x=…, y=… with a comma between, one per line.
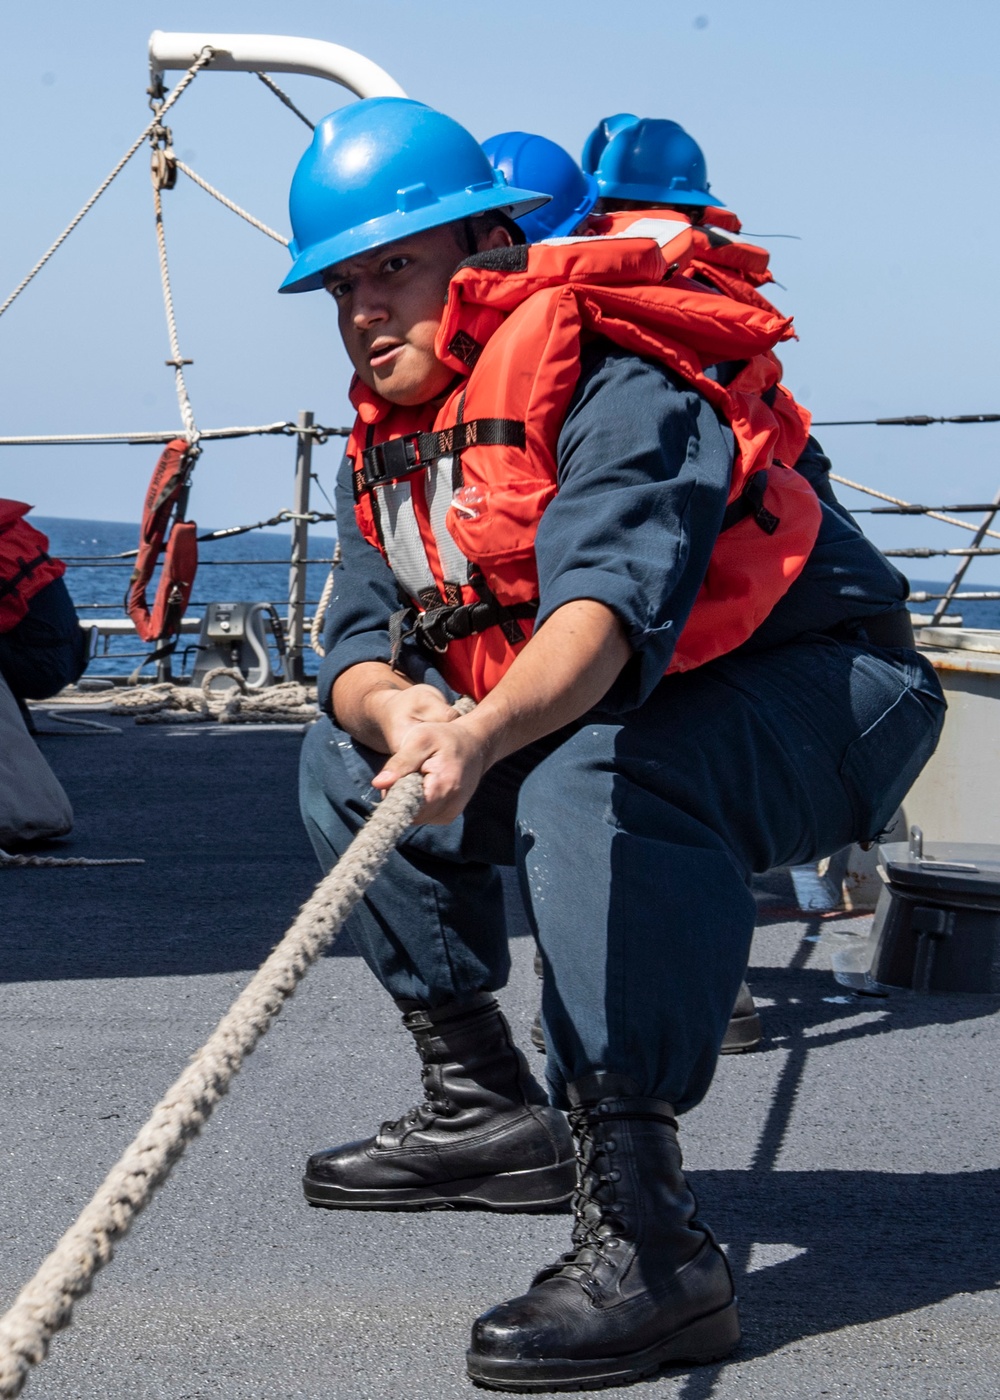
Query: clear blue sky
x=870, y=131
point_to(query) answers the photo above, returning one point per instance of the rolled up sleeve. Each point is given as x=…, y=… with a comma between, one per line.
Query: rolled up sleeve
x=644, y=470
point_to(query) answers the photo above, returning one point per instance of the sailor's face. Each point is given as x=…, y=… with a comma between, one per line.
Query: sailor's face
x=389, y=304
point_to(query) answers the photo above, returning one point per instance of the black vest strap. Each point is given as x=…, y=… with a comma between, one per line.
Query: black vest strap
x=399, y=457
x=750, y=501
x=12, y=584
x=454, y=622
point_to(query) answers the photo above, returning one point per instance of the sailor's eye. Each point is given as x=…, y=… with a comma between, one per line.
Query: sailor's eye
x=338, y=290
x=395, y=264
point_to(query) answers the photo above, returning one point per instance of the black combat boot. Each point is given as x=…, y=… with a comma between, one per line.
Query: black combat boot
x=485, y=1137
x=644, y=1286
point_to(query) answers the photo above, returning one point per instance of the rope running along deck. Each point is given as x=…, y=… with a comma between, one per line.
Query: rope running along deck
x=45, y=1304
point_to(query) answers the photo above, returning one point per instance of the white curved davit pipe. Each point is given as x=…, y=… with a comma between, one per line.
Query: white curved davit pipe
x=274, y=53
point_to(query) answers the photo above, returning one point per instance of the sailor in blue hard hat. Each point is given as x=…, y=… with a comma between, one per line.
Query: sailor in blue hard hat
x=380, y=173
x=634, y=803
x=540, y=164
x=648, y=162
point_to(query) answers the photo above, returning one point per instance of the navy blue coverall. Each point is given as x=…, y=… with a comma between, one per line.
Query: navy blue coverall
x=635, y=830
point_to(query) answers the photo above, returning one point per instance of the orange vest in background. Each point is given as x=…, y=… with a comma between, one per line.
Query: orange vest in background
x=25, y=564
x=453, y=498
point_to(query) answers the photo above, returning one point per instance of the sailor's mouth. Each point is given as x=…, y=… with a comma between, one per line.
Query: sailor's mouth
x=384, y=354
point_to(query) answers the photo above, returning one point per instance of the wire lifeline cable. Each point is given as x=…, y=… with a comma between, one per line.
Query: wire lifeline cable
x=898, y=501
x=45, y=1304
x=318, y=432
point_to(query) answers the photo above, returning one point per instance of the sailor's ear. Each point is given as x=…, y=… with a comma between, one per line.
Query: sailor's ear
x=498, y=237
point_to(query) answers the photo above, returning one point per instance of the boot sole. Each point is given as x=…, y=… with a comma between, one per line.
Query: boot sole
x=540, y=1191
x=710, y=1338
x=743, y=1033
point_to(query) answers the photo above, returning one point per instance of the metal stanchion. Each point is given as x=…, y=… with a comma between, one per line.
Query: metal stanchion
x=300, y=549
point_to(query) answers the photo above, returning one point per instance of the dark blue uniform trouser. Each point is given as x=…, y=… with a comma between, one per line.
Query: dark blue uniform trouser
x=634, y=838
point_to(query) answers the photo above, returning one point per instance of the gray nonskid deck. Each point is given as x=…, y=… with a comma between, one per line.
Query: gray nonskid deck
x=850, y=1166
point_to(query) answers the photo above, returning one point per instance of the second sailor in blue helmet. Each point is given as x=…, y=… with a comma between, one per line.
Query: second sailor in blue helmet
x=648, y=161
x=537, y=163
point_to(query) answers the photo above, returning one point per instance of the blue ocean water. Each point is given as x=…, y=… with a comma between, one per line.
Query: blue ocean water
x=254, y=568
x=229, y=571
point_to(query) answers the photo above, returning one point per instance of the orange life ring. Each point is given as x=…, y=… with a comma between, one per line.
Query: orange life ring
x=181, y=562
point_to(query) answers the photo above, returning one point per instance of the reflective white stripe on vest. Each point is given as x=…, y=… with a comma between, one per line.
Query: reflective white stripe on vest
x=438, y=485
x=662, y=231
x=401, y=536
x=404, y=547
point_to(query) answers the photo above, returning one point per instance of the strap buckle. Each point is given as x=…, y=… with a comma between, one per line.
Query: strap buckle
x=388, y=460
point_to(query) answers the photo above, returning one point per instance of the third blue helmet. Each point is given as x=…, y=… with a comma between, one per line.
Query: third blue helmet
x=536, y=163
x=382, y=169
x=606, y=128
x=652, y=160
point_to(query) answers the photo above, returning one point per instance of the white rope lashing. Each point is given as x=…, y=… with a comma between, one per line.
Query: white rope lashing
x=319, y=615
x=269, y=82
x=229, y=203
x=200, y=62
x=45, y=1304
x=183, y=401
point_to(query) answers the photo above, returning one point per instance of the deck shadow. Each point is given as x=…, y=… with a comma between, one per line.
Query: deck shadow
x=875, y=1244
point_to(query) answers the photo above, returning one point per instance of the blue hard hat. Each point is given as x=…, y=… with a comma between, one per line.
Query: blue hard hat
x=537, y=163
x=653, y=160
x=381, y=169
x=593, y=147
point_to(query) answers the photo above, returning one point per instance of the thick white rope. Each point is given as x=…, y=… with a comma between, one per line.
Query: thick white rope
x=896, y=501
x=45, y=1304
x=217, y=194
x=204, y=57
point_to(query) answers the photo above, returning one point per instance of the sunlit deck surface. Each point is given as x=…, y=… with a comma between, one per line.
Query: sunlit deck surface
x=850, y=1165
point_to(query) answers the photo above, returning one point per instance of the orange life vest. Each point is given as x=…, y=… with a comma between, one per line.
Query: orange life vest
x=180, y=563
x=26, y=566
x=453, y=499
x=717, y=254
x=728, y=264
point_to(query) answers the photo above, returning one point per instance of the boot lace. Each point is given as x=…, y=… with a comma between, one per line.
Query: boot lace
x=421, y=1115
x=597, y=1229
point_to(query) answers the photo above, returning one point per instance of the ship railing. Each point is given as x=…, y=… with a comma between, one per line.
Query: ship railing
x=300, y=516
x=947, y=514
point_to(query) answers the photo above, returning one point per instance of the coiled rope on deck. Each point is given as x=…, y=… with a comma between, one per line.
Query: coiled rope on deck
x=45, y=1305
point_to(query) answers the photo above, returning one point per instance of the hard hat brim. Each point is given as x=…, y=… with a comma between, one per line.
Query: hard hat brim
x=575, y=217
x=306, y=273
x=611, y=189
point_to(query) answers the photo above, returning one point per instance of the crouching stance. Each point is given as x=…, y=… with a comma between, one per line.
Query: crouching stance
x=685, y=670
